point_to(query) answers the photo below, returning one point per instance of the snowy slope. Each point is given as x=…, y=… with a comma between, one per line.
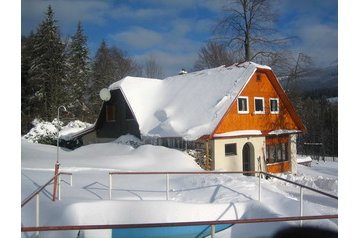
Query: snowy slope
x=141, y=198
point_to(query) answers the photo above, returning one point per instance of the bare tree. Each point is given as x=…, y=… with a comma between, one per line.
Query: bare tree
x=301, y=67
x=248, y=27
x=152, y=69
x=213, y=54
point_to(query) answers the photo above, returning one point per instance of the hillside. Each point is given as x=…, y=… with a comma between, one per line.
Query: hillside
x=318, y=82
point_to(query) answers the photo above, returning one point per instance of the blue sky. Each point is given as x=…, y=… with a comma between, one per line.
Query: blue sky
x=174, y=30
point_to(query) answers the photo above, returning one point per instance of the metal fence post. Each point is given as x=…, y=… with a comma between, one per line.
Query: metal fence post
x=167, y=193
x=71, y=180
x=301, y=204
x=212, y=233
x=110, y=187
x=37, y=212
x=260, y=187
x=59, y=186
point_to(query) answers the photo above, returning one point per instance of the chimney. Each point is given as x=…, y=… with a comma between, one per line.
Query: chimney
x=183, y=71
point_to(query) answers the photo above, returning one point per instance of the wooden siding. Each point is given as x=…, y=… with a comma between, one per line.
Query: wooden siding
x=277, y=139
x=119, y=124
x=260, y=85
x=279, y=167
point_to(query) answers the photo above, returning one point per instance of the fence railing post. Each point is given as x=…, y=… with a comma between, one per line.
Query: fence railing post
x=110, y=187
x=59, y=186
x=167, y=187
x=37, y=212
x=212, y=232
x=301, y=204
x=259, y=187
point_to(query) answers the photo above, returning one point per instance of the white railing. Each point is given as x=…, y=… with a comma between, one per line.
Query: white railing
x=260, y=174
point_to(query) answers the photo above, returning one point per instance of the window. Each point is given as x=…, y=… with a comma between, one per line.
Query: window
x=243, y=104
x=274, y=105
x=258, y=77
x=277, y=152
x=110, y=113
x=284, y=152
x=259, y=105
x=230, y=149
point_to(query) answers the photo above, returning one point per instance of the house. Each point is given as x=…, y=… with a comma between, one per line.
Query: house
x=237, y=117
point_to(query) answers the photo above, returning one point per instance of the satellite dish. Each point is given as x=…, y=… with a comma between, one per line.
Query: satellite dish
x=105, y=94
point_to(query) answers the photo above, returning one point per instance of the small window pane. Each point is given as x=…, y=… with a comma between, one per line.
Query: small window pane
x=284, y=152
x=230, y=149
x=243, y=104
x=110, y=113
x=279, y=150
x=259, y=105
x=272, y=153
x=274, y=105
x=268, y=154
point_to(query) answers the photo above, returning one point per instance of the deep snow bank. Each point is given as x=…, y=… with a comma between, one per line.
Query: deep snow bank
x=194, y=197
x=117, y=155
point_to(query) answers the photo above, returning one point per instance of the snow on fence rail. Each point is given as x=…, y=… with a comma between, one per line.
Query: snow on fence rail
x=167, y=175
x=212, y=224
x=260, y=173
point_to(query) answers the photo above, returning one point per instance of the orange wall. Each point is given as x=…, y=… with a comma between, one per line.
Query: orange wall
x=279, y=167
x=234, y=121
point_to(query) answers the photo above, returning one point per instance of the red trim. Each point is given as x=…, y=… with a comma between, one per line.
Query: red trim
x=240, y=136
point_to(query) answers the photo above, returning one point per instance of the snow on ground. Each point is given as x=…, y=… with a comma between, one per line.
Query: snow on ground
x=142, y=198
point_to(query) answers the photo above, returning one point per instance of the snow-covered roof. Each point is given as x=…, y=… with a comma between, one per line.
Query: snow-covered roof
x=189, y=105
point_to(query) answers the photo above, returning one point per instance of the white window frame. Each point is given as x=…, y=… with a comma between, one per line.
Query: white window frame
x=278, y=106
x=247, y=105
x=263, y=105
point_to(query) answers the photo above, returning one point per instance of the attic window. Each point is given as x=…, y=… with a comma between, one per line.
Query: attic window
x=243, y=104
x=110, y=113
x=259, y=105
x=258, y=77
x=274, y=108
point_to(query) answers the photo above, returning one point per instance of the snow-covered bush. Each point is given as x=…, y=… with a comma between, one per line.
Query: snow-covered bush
x=45, y=132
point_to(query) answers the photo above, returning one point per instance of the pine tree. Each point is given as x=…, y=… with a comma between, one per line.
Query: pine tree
x=102, y=68
x=26, y=88
x=78, y=72
x=47, y=71
x=109, y=66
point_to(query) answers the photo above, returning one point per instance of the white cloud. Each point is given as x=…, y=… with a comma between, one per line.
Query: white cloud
x=321, y=42
x=314, y=23
x=127, y=12
x=138, y=38
x=171, y=64
x=66, y=12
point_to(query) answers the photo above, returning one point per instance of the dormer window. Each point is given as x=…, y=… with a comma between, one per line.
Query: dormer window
x=243, y=105
x=274, y=107
x=259, y=105
x=110, y=113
